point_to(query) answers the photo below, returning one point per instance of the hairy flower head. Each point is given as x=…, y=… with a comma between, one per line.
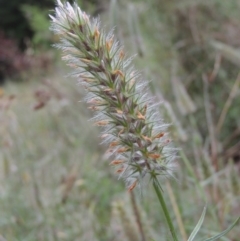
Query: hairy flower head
x=133, y=129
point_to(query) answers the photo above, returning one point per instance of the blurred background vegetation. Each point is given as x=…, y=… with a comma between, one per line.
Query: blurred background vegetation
x=55, y=182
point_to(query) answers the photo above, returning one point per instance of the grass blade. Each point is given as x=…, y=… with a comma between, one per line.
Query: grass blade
x=222, y=233
x=198, y=226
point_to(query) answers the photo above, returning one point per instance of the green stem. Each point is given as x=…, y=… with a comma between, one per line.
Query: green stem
x=165, y=210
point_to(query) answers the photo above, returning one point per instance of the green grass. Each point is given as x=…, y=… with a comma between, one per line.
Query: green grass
x=55, y=182
x=43, y=148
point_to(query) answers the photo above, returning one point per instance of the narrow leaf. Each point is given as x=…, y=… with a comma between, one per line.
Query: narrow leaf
x=222, y=233
x=198, y=226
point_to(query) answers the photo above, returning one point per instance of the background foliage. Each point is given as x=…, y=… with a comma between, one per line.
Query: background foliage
x=55, y=182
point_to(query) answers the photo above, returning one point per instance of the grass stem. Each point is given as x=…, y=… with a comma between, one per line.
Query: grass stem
x=165, y=209
x=176, y=210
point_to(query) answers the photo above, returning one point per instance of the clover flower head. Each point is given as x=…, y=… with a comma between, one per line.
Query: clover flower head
x=132, y=127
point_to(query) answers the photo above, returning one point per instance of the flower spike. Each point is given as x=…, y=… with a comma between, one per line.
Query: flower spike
x=133, y=129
